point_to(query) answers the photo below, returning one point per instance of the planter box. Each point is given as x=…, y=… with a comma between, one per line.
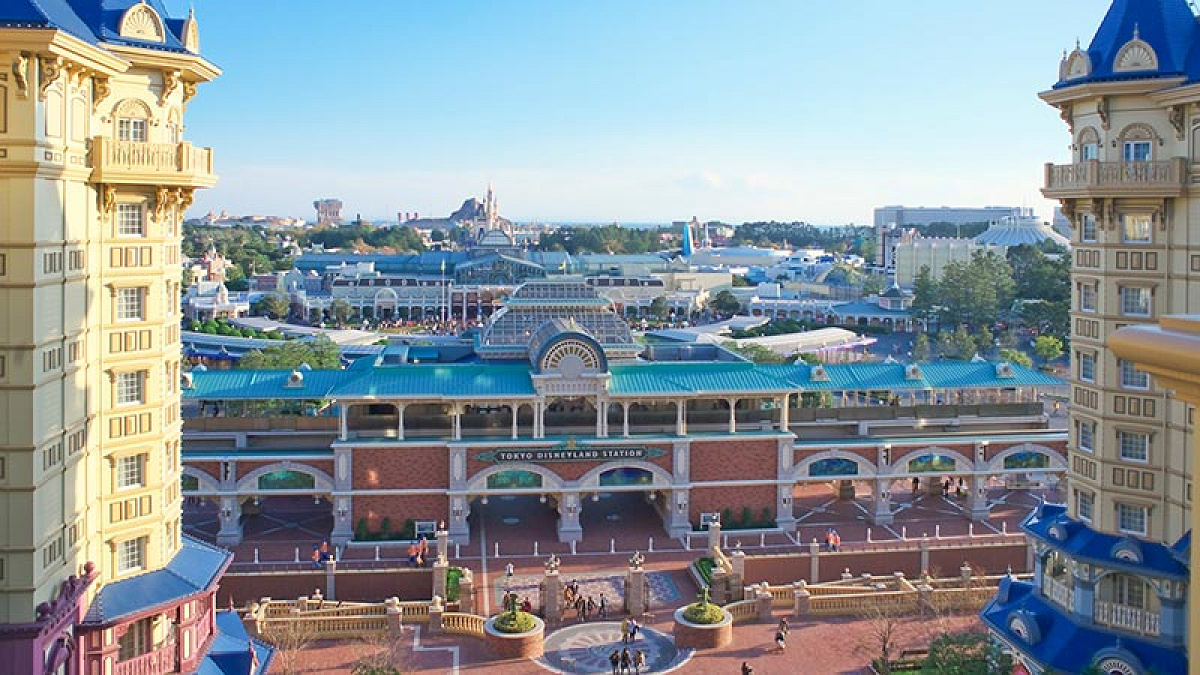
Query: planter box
x=514, y=645
x=690, y=635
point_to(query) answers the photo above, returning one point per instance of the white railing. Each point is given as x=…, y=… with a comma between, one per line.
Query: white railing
x=161, y=660
x=1125, y=617
x=1060, y=593
x=1096, y=174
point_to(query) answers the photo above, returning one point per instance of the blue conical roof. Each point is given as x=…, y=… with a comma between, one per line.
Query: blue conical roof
x=1168, y=26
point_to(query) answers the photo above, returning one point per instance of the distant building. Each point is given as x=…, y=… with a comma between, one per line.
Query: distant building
x=329, y=211
x=911, y=252
x=1017, y=230
x=908, y=216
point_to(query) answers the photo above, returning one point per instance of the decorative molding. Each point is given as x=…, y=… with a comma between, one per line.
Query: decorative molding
x=164, y=199
x=101, y=90
x=141, y=22
x=1102, y=111
x=1177, y=115
x=20, y=71
x=191, y=33
x=170, y=84
x=106, y=200
x=189, y=92
x=132, y=107
x=1075, y=65
x=1067, y=112
x=52, y=68
x=1135, y=55
x=185, y=196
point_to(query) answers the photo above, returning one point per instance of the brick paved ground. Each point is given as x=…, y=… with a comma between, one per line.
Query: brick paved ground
x=816, y=647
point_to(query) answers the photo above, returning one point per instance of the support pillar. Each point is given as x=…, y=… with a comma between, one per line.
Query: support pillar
x=625, y=419
x=400, y=422
x=343, y=422
x=977, y=501
x=539, y=421
x=714, y=539
x=552, y=589
x=801, y=598
x=569, y=528
x=785, y=423
x=636, y=602
x=732, y=415
x=466, y=592
x=600, y=411
x=516, y=410
x=230, y=533
x=331, y=579
x=681, y=418
x=343, y=530
x=457, y=414
x=440, y=564
x=679, y=524
x=395, y=617
x=785, y=519
x=881, y=503
x=845, y=489
x=460, y=532
x=737, y=579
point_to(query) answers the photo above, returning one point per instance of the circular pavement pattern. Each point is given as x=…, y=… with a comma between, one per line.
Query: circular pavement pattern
x=585, y=647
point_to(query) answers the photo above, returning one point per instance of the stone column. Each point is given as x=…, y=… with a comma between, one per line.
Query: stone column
x=343, y=514
x=785, y=423
x=625, y=419
x=881, y=504
x=440, y=564
x=466, y=591
x=230, y=533
x=400, y=421
x=539, y=421
x=801, y=598
x=395, y=617
x=680, y=418
x=814, y=561
x=763, y=601
x=714, y=539
x=460, y=532
x=456, y=411
x=738, y=578
x=436, y=609
x=569, y=528
x=552, y=589
x=636, y=602
x=732, y=415
x=680, y=523
x=331, y=579
x=977, y=501
x=516, y=410
x=343, y=422
x=924, y=555
x=785, y=519
x=601, y=407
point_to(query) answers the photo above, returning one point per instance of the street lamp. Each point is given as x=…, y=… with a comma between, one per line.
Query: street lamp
x=509, y=601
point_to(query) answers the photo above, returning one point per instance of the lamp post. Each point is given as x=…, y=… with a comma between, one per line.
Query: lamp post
x=509, y=602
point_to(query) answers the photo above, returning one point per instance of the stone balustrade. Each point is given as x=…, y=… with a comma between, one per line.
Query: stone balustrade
x=459, y=623
x=1164, y=177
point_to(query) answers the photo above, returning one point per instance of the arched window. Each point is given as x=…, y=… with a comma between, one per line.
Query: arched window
x=132, y=120
x=1137, y=143
x=1128, y=602
x=1088, y=145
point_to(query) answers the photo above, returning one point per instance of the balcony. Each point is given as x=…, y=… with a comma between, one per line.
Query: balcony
x=161, y=660
x=1062, y=593
x=1127, y=618
x=165, y=164
x=1093, y=178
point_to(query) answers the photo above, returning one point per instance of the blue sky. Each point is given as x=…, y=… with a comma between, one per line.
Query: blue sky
x=632, y=110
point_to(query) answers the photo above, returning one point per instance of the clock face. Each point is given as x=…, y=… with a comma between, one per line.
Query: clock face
x=1114, y=666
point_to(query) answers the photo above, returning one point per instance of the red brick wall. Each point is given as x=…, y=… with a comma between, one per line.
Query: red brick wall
x=398, y=508
x=213, y=469
x=403, y=467
x=352, y=586
x=718, y=499
x=732, y=459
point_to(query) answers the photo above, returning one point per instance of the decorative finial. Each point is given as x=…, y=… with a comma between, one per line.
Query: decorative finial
x=1136, y=35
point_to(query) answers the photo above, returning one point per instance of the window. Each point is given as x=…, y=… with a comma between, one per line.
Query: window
x=1089, y=151
x=1087, y=367
x=131, y=388
x=1087, y=227
x=1135, y=229
x=1131, y=377
x=52, y=262
x=131, y=471
x=1087, y=297
x=131, y=555
x=1131, y=519
x=1083, y=505
x=136, y=640
x=1135, y=447
x=1087, y=436
x=131, y=304
x=131, y=129
x=1138, y=151
x=1135, y=301
x=131, y=220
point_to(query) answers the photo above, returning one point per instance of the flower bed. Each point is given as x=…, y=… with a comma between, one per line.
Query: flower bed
x=503, y=643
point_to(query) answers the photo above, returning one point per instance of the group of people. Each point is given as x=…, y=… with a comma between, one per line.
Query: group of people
x=833, y=540
x=320, y=554
x=418, y=553
x=585, y=607
x=622, y=660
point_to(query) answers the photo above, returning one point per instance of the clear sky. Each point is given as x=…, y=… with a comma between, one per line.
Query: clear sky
x=632, y=110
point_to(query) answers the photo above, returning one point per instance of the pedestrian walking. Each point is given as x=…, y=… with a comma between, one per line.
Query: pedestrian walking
x=747, y=669
x=783, y=625
x=639, y=662
x=780, y=640
x=633, y=629
x=603, y=608
x=615, y=659
x=625, y=630
x=626, y=661
x=591, y=606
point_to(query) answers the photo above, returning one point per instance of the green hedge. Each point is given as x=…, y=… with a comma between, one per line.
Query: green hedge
x=705, y=567
x=453, y=577
x=514, y=622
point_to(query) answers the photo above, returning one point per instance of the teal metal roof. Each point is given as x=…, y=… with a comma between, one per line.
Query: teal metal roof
x=499, y=381
x=230, y=385
x=934, y=375
x=445, y=380
x=662, y=379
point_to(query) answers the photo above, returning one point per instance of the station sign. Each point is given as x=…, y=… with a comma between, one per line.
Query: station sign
x=571, y=451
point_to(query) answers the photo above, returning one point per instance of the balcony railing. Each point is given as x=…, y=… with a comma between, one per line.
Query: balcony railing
x=161, y=660
x=1165, y=178
x=134, y=162
x=1060, y=593
x=1127, y=618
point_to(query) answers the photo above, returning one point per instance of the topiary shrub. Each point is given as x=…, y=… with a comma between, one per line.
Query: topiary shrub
x=514, y=622
x=703, y=614
x=360, y=530
x=747, y=517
